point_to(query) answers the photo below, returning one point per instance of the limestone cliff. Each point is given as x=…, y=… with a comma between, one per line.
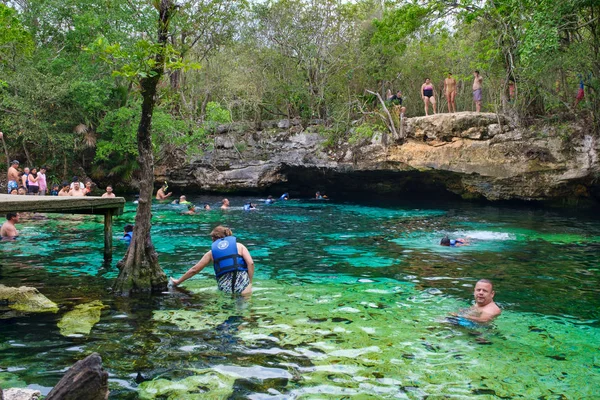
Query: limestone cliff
x=468, y=154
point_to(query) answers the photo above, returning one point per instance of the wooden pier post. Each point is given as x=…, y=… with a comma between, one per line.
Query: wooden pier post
x=108, y=236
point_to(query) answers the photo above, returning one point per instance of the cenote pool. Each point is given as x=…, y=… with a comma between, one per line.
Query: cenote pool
x=350, y=301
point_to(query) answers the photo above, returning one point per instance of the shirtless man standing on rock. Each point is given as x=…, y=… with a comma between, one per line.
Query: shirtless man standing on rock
x=484, y=309
x=13, y=176
x=450, y=90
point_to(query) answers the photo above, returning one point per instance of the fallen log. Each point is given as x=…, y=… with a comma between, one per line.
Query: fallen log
x=84, y=380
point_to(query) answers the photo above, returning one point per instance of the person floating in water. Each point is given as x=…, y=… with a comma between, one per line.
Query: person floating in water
x=182, y=200
x=8, y=229
x=249, y=206
x=319, y=196
x=191, y=209
x=446, y=241
x=485, y=309
x=127, y=234
x=269, y=200
x=162, y=194
x=224, y=204
x=284, y=196
x=233, y=264
x=206, y=207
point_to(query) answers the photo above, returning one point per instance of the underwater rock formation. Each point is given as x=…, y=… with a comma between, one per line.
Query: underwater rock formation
x=472, y=155
x=81, y=319
x=26, y=299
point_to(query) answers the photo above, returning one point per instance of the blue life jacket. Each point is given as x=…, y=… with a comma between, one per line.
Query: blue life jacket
x=283, y=196
x=127, y=237
x=247, y=207
x=269, y=201
x=225, y=256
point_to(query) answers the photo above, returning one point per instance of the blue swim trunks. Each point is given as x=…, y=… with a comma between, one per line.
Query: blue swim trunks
x=12, y=185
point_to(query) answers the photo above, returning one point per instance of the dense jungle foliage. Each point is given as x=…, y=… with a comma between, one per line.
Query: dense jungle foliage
x=69, y=97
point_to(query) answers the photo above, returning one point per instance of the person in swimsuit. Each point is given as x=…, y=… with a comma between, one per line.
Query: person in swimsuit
x=8, y=229
x=13, y=176
x=446, y=241
x=428, y=94
x=450, y=90
x=234, y=267
x=162, y=194
x=477, y=85
x=109, y=192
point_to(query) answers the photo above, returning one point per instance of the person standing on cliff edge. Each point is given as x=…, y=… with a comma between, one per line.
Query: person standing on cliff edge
x=13, y=176
x=477, y=86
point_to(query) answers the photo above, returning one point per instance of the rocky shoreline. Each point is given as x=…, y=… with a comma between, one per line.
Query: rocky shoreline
x=474, y=156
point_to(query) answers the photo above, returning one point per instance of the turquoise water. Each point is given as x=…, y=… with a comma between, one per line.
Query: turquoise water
x=350, y=301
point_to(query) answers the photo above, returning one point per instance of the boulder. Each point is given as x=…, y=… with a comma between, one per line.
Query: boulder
x=21, y=394
x=84, y=380
x=26, y=299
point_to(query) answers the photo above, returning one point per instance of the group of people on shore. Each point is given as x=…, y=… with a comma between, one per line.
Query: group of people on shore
x=428, y=95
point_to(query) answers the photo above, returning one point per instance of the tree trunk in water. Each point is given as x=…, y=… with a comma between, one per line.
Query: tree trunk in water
x=84, y=380
x=139, y=268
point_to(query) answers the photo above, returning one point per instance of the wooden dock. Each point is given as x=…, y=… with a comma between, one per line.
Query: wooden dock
x=68, y=205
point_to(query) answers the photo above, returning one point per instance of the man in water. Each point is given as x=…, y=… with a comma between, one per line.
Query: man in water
x=13, y=176
x=162, y=194
x=225, y=204
x=8, y=230
x=450, y=90
x=484, y=309
x=477, y=86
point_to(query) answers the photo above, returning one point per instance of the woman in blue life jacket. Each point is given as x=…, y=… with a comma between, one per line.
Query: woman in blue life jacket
x=234, y=267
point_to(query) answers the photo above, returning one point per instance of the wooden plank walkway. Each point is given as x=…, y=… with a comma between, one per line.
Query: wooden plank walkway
x=68, y=205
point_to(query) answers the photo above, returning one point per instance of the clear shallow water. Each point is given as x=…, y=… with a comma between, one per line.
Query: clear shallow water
x=350, y=301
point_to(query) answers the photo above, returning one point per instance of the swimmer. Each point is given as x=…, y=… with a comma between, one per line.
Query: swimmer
x=224, y=204
x=233, y=264
x=318, y=196
x=249, y=206
x=191, y=209
x=446, y=241
x=127, y=234
x=21, y=191
x=206, y=207
x=8, y=230
x=88, y=188
x=162, y=194
x=484, y=310
x=269, y=200
x=284, y=196
x=428, y=95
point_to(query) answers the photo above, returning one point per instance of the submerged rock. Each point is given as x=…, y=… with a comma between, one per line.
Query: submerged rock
x=26, y=299
x=81, y=320
x=21, y=394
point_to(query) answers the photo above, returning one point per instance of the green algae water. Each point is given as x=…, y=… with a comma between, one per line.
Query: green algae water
x=350, y=301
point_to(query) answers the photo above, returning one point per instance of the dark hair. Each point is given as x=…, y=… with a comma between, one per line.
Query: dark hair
x=75, y=179
x=445, y=241
x=65, y=183
x=191, y=206
x=10, y=216
x=487, y=281
x=128, y=228
x=477, y=71
x=43, y=167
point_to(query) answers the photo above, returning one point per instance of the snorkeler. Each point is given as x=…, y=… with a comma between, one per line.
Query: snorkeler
x=249, y=206
x=191, y=209
x=162, y=194
x=8, y=229
x=206, y=207
x=484, y=309
x=269, y=200
x=446, y=241
x=233, y=264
